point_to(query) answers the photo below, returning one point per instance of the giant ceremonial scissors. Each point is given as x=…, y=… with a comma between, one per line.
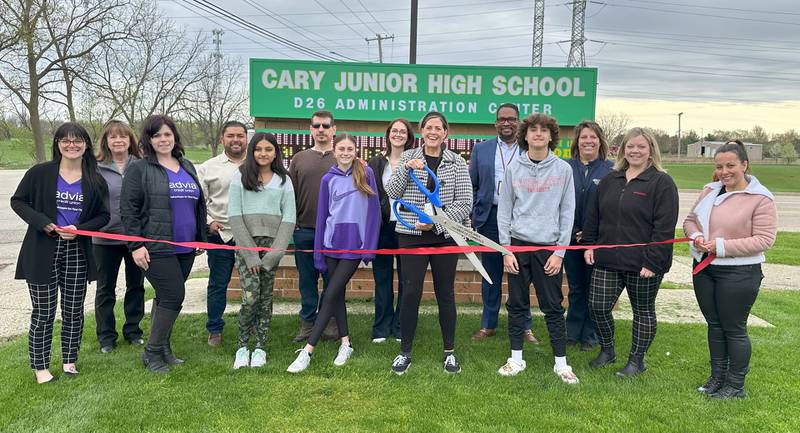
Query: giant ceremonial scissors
x=457, y=232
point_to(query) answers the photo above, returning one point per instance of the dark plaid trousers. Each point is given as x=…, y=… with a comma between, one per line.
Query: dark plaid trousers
x=606, y=287
x=67, y=275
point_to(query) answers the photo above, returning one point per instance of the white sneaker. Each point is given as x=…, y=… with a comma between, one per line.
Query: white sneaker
x=259, y=358
x=512, y=367
x=345, y=350
x=566, y=375
x=242, y=358
x=301, y=363
x=379, y=340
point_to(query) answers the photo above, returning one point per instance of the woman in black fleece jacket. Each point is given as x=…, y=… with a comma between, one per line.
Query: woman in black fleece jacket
x=636, y=203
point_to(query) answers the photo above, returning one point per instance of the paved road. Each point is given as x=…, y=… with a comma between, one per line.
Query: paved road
x=15, y=303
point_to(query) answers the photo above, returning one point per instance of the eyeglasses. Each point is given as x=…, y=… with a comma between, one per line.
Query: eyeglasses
x=323, y=125
x=507, y=120
x=398, y=131
x=76, y=142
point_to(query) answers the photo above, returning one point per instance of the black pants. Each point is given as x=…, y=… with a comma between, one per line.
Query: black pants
x=168, y=274
x=339, y=273
x=443, y=268
x=725, y=295
x=108, y=259
x=387, y=316
x=548, y=294
x=607, y=285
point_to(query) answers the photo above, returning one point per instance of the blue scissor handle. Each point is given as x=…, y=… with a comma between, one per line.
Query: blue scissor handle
x=423, y=217
x=433, y=196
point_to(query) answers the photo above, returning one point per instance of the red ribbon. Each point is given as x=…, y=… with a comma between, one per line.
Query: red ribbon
x=385, y=251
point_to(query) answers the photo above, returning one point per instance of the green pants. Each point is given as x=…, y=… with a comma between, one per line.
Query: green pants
x=256, y=312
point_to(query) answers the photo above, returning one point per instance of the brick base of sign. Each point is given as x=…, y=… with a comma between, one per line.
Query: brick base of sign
x=362, y=285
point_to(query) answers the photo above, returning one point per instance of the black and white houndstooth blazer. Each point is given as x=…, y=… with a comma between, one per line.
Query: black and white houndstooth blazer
x=455, y=190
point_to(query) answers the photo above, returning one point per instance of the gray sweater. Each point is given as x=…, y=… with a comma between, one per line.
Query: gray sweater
x=537, y=202
x=109, y=171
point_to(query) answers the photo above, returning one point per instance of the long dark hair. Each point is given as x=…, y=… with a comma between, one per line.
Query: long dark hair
x=72, y=130
x=249, y=169
x=118, y=127
x=150, y=127
x=359, y=172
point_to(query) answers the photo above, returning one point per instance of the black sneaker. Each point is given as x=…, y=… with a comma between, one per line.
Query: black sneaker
x=728, y=392
x=401, y=364
x=712, y=385
x=451, y=364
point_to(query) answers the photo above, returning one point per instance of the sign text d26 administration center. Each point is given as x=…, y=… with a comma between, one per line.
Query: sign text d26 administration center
x=382, y=92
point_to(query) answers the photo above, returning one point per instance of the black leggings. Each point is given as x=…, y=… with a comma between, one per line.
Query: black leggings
x=443, y=269
x=339, y=273
x=168, y=274
x=548, y=295
x=725, y=295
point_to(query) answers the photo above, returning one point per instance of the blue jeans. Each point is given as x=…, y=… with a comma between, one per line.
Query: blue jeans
x=387, y=315
x=220, y=267
x=580, y=326
x=309, y=275
x=491, y=294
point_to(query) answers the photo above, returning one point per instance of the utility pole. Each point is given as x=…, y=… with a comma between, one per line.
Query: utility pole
x=412, y=51
x=538, y=32
x=577, y=57
x=380, y=39
x=679, y=134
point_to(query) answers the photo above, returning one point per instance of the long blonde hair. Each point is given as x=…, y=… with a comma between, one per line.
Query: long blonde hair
x=655, y=155
x=359, y=172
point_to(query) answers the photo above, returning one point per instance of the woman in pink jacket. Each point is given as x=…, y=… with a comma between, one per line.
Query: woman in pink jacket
x=735, y=220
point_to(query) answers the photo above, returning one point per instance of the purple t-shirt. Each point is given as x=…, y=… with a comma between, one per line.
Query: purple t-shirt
x=69, y=202
x=183, y=195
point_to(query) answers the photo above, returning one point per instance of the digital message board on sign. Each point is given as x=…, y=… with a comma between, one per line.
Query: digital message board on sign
x=382, y=92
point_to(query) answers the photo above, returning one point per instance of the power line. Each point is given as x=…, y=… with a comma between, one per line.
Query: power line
x=214, y=9
x=353, y=13
x=385, y=30
x=339, y=19
x=759, y=11
x=725, y=17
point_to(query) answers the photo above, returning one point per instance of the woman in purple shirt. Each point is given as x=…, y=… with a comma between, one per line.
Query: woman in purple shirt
x=348, y=218
x=64, y=193
x=161, y=199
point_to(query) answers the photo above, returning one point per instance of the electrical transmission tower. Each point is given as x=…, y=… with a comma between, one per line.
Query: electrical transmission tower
x=577, y=58
x=217, y=54
x=538, y=32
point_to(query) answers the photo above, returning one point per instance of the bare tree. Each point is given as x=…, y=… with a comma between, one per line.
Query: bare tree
x=151, y=71
x=614, y=125
x=216, y=99
x=29, y=33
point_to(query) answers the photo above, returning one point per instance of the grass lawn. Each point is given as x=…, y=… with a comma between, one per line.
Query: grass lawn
x=784, y=252
x=115, y=393
x=778, y=178
x=18, y=153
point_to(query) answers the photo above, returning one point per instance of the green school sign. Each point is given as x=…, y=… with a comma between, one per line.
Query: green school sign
x=382, y=92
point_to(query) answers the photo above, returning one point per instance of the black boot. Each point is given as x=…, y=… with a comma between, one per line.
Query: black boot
x=153, y=355
x=169, y=357
x=728, y=392
x=719, y=371
x=634, y=366
x=606, y=356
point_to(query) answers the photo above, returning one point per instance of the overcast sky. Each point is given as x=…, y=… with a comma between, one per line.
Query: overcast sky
x=725, y=63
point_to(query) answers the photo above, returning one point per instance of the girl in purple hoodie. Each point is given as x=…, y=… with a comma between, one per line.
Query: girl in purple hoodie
x=348, y=218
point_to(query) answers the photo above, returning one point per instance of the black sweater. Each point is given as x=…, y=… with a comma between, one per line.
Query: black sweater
x=145, y=205
x=642, y=210
x=378, y=164
x=35, y=202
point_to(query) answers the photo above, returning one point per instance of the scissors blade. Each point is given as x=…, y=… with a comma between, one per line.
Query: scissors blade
x=460, y=241
x=465, y=232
